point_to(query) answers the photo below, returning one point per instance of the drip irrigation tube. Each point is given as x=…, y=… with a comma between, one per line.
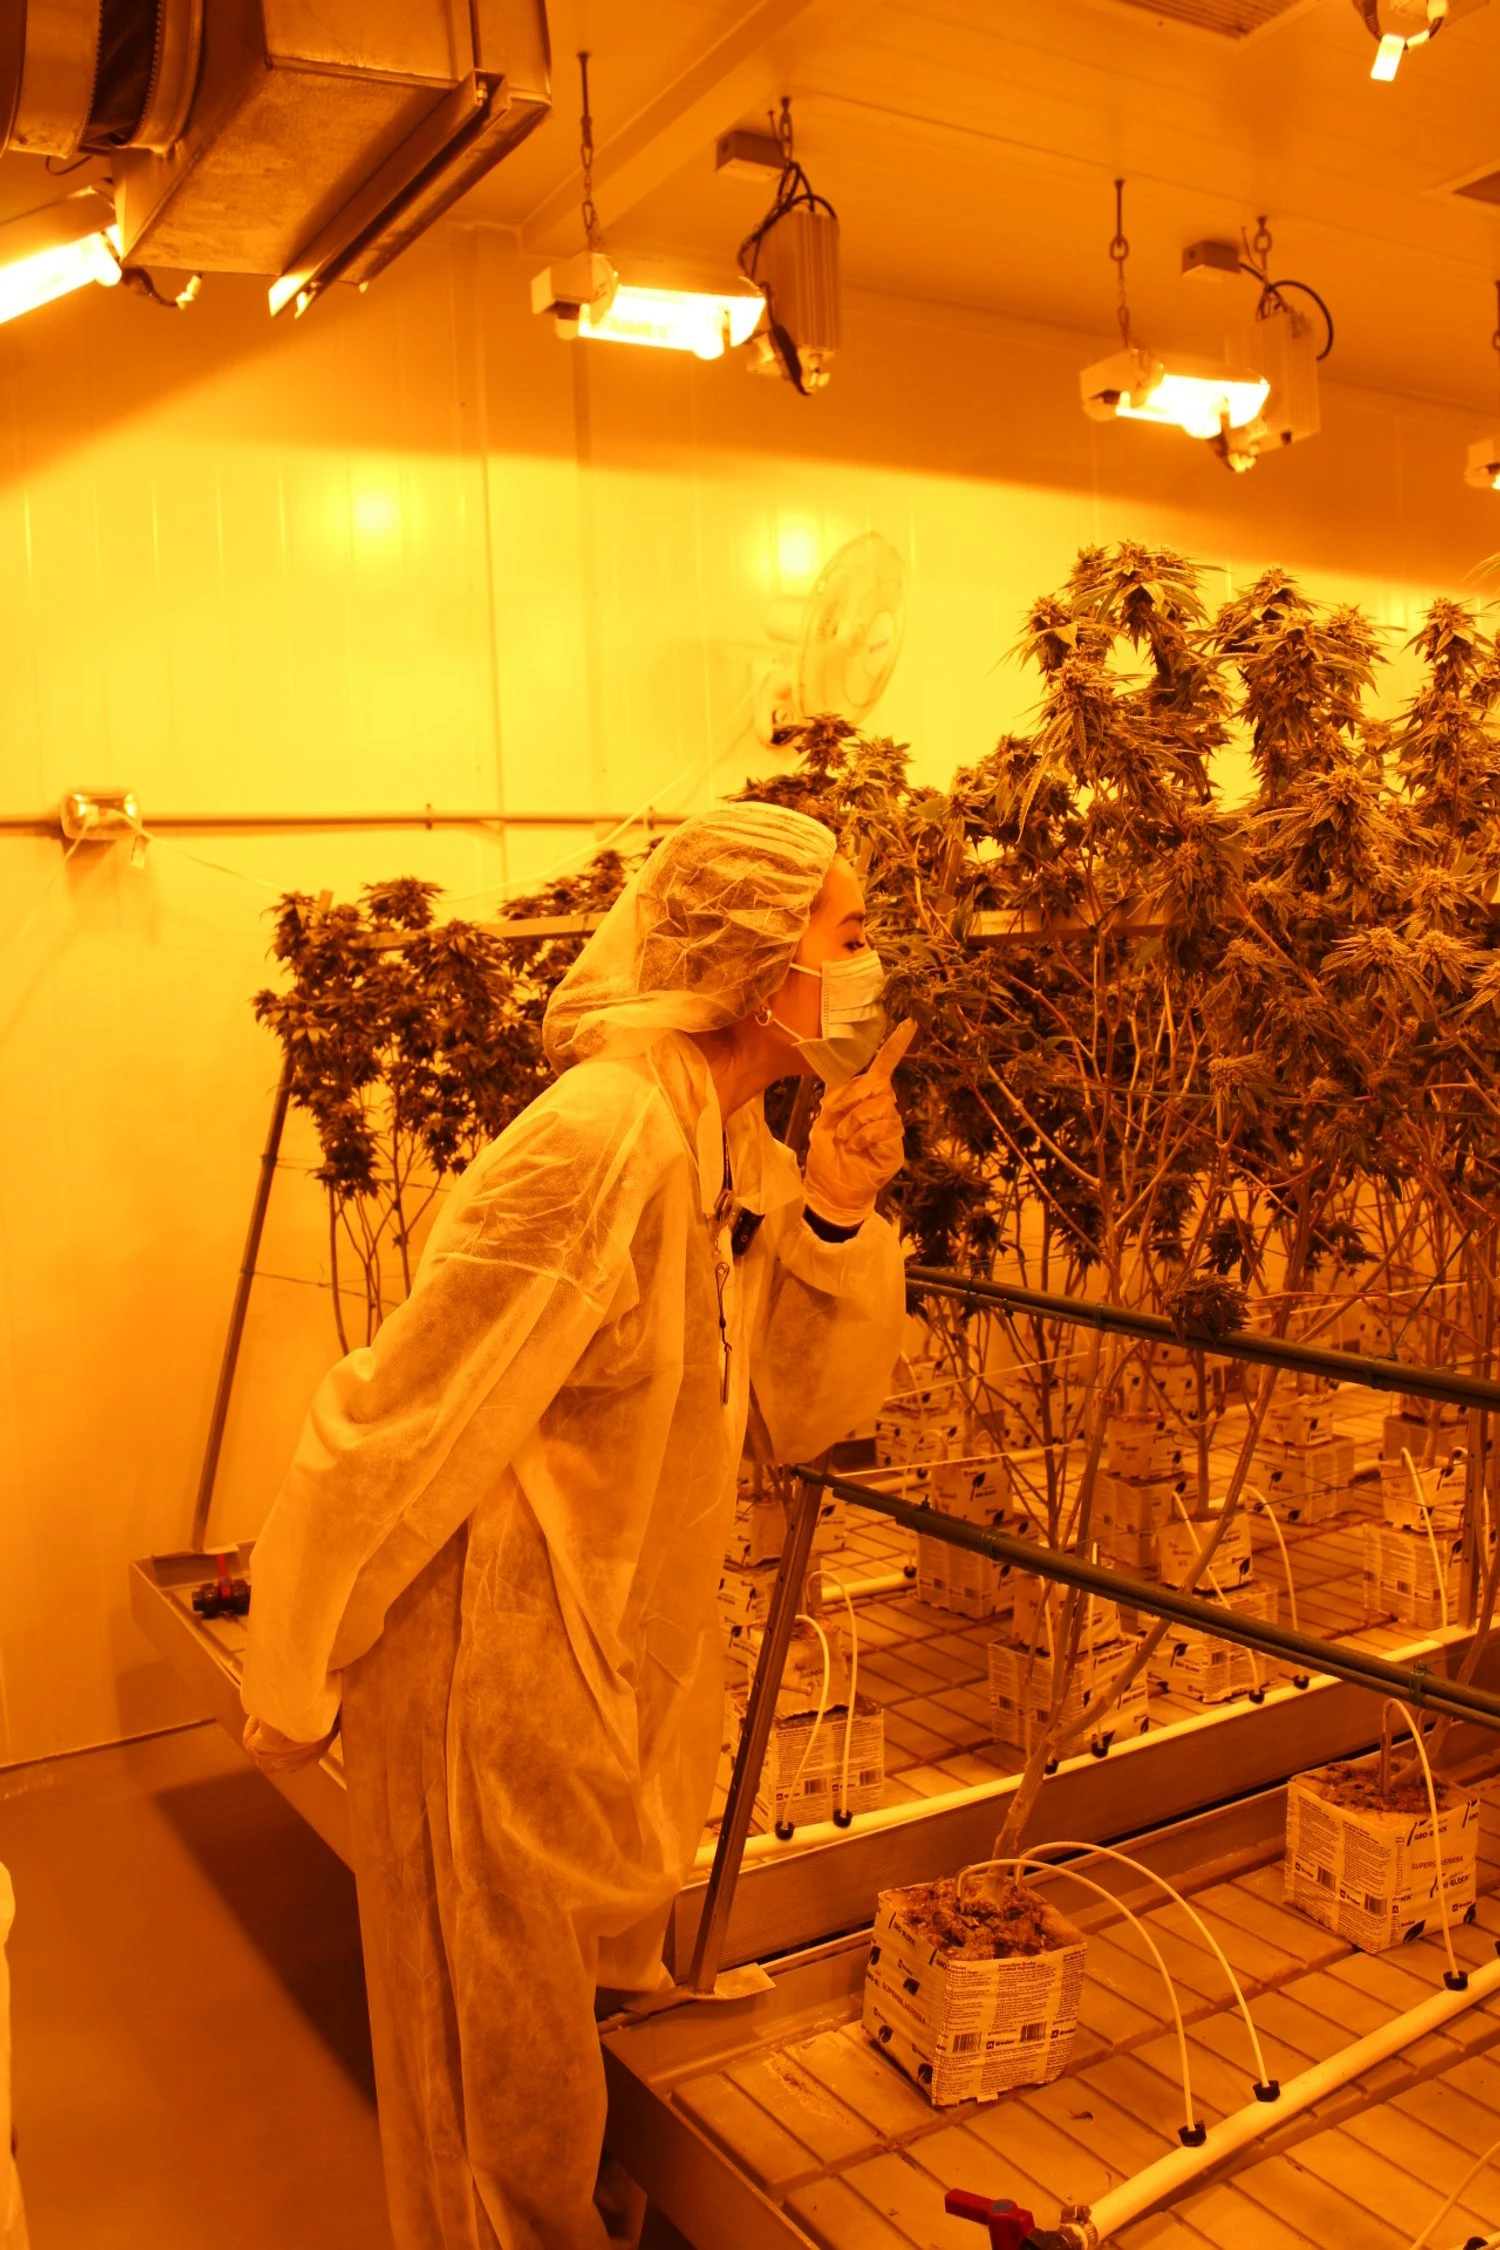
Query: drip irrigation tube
x=1428, y=1691
x=1181, y=2166
x=1241, y=1343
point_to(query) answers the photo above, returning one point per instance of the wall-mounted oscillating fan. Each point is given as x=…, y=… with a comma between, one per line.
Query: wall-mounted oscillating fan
x=838, y=647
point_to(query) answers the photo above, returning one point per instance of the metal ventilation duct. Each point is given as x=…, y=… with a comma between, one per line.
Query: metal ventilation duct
x=1232, y=19
x=308, y=140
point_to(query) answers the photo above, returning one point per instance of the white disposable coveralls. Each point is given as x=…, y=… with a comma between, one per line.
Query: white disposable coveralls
x=500, y=1539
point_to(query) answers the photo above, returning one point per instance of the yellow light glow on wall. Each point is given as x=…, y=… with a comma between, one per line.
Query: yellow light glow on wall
x=377, y=515
x=796, y=550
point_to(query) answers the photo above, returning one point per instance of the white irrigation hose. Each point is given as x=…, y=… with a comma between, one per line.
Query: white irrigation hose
x=1192, y=2132
x=1421, y=2241
x=1437, y=1563
x=1180, y=2167
x=817, y=1722
x=1254, y=1493
x=1107, y=1851
x=841, y=1802
x=1257, y=1684
x=1456, y=1978
x=818, y=1834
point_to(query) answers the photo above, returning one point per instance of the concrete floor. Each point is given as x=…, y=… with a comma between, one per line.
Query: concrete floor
x=192, y=2059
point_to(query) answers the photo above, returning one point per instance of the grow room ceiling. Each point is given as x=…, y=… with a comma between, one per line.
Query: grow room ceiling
x=970, y=147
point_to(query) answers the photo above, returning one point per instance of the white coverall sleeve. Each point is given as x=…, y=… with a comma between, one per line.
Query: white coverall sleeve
x=405, y=1438
x=829, y=1333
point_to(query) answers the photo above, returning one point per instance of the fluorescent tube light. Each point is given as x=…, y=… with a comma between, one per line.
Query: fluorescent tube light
x=1388, y=58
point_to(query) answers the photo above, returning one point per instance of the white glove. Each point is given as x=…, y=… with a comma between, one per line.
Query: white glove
x=275, y=1752
x=857, y=1143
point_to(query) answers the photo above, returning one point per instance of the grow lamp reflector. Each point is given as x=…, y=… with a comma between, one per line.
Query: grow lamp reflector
x=28, y=283
x=674, y=320
x=1189, y=396
x=586, y=297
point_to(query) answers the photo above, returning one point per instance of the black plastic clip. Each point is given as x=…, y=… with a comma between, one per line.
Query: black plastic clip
x=1192, y=2136
x=1270, y=2091
x=1456, y=1980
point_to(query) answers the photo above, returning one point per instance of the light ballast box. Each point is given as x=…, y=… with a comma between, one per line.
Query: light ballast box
x=958, y=2017
x=1370, y=1872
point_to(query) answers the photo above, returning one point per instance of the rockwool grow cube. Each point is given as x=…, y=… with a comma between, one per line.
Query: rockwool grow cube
x=961, y=2022
x=1370, y=1873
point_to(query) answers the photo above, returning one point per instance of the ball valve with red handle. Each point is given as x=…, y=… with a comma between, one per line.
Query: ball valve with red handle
x=1010, y=2227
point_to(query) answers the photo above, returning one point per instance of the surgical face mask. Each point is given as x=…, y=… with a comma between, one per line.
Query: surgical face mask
x=852, y=1021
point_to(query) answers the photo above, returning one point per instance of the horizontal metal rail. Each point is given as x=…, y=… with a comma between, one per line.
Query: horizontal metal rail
x=1444, y=1384
x=1412, y=1684
x=231, y=823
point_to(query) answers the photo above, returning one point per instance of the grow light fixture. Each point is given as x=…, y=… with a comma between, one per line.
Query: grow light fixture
x=1262, y=395
x=1190, y=395
x=586, y=297
x=1396, y=25
x=52, y=252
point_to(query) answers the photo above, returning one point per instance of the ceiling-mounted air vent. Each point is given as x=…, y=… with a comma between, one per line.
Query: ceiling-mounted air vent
x=307, y=140
x=1231, y=19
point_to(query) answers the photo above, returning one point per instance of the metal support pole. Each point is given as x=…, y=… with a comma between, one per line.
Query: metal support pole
x=755, y=1736
x=1242, y=1343
x=258, y=1208
x=1411, y=1684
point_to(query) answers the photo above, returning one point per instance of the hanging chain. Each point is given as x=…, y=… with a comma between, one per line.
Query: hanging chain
x=586, y=157
x=1495, y=339
x=1260, y=246
x=782, y=128
x=1119, y=250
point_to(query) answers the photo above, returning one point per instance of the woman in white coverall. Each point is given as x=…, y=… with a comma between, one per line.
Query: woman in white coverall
x=496, y=1553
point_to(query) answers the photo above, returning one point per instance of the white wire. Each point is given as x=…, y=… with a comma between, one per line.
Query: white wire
x=1420, y=2241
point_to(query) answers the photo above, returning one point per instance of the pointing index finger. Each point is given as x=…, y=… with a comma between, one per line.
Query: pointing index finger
x=883, y=1068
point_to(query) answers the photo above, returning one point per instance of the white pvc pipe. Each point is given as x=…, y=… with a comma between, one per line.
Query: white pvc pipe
x=1181, y=2166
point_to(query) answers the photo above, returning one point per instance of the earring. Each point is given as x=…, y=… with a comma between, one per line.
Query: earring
x=763, y=1014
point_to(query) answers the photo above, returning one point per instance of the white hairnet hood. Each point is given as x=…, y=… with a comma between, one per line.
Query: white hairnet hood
x=700, y=936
